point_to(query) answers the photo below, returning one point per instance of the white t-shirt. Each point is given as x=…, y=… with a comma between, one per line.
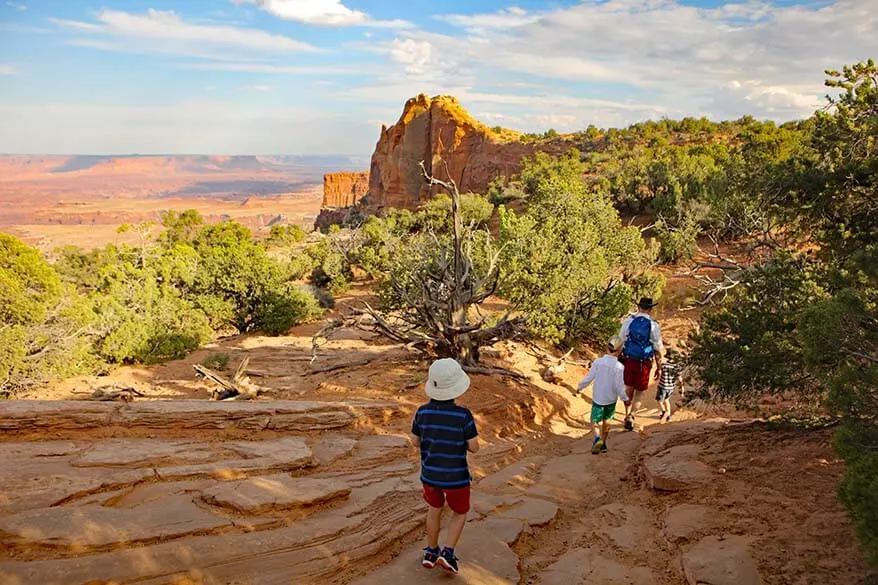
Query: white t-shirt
x=655, y=333
x=607, y=373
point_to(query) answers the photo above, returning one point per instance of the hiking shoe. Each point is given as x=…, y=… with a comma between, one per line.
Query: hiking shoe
x=431, y=555
x=629, y=424
x=448, y=561
x=597, y=446
x=604, y=448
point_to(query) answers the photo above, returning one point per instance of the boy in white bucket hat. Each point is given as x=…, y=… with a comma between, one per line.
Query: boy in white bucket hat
x=445, y=432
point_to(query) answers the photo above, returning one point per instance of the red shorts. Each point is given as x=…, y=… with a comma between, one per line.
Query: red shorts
x=637, y=374
x=457, y=498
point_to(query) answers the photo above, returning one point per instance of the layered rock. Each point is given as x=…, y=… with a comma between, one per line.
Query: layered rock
x=344, y=189
x=451, y=143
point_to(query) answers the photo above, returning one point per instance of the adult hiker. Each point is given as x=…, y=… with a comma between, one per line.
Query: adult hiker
x=445, y=432
x=606, y=374
x=641, y=346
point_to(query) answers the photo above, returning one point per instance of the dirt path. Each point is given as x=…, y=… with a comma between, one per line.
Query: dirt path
x=320, y=485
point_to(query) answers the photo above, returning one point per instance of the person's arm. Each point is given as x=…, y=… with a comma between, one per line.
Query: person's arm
x=416, y=432
x=589, y=378
x=655, y=336
x=471, y=434
x=619, y=384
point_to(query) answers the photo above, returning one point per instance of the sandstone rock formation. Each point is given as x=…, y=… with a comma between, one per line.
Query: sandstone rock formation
x=452, y=144
x=344, y=189
x=677, y=469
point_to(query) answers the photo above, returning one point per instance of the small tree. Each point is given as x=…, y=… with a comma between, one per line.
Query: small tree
x=571, y=264
x=437, y=282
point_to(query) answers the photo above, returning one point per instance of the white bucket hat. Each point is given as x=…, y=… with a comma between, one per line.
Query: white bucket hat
x=446, y=380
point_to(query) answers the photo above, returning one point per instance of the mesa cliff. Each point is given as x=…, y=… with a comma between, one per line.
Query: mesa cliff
x=344, y=189
x=451, y=143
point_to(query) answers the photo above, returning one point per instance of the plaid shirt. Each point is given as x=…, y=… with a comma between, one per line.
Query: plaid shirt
x=670, y=377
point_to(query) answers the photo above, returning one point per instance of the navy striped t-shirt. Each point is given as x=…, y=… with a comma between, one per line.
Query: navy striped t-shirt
x=444, y=428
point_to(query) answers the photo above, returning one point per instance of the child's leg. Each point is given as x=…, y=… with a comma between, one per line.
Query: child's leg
x=459, y=502
x=605, y=430
x=435, y=499
x=597, y=431
x=434, y=523
x=455, y=529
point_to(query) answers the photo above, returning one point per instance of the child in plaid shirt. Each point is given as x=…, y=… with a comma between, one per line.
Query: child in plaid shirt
x=668, y=381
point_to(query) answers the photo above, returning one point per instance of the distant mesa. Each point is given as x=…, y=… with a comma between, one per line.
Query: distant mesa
x=452, y=144
x=344, y=189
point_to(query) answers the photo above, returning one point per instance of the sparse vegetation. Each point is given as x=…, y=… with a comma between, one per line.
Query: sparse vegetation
x=806, y=324
x=216, y=361
x=123, y=304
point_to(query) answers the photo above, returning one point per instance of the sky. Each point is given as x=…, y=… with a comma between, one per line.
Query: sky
x=322, y=76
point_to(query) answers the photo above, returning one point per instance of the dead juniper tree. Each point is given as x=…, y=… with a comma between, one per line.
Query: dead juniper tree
x=433, y=295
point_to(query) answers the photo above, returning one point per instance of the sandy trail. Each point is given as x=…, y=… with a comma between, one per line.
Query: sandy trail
x=319, y=484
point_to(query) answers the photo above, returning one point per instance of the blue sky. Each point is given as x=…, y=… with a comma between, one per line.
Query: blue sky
x=321, y=76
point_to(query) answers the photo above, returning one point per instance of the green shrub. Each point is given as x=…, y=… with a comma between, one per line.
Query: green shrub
x=43, y=323
x=282, y=309
x=216, y=361
x=569, y=263
x=678, y=243
x=168, y=346
x=436, y=213
x=286, y=235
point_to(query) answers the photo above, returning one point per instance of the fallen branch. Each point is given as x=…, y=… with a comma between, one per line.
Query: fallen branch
x=113, y=393
x=240, y=386
x=494, y=372
x=334, y=367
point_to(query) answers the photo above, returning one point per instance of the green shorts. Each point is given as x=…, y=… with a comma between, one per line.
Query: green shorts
x=601, y=413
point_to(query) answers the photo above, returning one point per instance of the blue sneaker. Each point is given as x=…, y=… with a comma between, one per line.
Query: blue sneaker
x=431, y=555
x=448, y=561
x=596, y=446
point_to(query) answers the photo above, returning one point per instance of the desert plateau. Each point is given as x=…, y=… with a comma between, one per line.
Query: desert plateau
x=54, y=201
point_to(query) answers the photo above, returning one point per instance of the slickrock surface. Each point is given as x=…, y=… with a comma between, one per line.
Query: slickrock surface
x=210, y=502
x=34, y=415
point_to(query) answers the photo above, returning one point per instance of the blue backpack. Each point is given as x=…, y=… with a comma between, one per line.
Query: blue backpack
x=638, y=346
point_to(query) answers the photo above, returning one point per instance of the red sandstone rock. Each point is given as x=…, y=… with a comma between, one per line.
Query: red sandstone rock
x=344, y=189
x=451, y=143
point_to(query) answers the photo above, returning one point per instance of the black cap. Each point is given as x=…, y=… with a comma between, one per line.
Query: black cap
x=646, y=303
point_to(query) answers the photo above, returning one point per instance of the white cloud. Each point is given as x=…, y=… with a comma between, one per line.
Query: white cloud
x=322, y=13
x=415, y=56
x=13, y=27
x=507, y=18
x=256, y=88
x=165, y=32
x=682, y=57
x=7, y=70
x=17, y=6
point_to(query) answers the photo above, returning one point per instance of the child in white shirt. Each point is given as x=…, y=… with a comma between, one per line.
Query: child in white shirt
x=609, y=386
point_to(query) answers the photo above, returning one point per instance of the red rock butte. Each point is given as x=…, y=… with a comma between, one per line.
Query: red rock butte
x=451, y=143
